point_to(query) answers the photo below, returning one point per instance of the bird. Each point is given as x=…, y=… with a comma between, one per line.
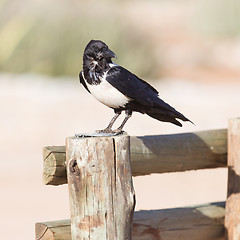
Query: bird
x=121, y=90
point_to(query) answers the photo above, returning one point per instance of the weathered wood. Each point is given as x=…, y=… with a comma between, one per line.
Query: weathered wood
x=54, y=165
x=178, y=152
x=101, y=193
x=232, y=220
x=156, y=154
x=60, y=230
x=204, y=222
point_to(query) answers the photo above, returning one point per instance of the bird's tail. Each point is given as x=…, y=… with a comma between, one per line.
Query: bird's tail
x=168, y=116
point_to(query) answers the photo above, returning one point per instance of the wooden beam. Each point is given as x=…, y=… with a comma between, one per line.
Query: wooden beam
x=54, y=165
x=232, y=221
x=101, y=193
x=204, y=222
x=154, y=154
x=60, y=230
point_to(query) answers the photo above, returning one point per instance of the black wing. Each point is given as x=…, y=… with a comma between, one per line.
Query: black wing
x=135, y=88
x=82, y=81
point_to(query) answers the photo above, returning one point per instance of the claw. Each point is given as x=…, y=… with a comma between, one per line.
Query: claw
x=110, y=132
x=106, y=130
x=118, y=131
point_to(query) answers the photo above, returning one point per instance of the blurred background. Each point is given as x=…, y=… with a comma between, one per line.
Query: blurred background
x=188, y=49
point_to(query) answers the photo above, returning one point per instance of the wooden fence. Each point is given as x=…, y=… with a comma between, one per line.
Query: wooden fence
x=148, y=154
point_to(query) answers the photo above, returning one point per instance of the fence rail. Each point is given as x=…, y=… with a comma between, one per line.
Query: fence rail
x=204, y=222
x=154, y=154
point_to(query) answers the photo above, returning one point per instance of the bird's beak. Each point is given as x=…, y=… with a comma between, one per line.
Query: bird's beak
x=109, y=54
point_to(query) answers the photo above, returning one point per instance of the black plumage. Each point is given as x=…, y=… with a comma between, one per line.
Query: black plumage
x=120, y=89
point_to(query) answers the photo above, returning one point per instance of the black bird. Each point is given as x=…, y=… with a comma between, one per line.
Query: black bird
x=120, y=89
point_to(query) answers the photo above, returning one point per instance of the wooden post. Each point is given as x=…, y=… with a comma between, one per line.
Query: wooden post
x=100, y=186
x=232, y=217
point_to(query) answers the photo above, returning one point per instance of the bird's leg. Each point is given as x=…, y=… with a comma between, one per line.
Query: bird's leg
x=128, y=115
x=117, y=114
x=108, y=129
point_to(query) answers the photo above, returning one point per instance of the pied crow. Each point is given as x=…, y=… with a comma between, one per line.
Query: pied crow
x=120, y=89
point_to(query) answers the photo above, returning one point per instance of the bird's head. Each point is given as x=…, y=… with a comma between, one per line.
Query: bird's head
x=97, y=50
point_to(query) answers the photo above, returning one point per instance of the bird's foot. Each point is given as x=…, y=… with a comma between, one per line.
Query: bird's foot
x=106, y=130
x=118, y=131
x=109, y=131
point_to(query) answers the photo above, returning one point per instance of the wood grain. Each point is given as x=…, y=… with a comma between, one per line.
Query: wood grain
x=204, y=222
x=232, y=220
x=60, y=230
x=155, y=154
x=101, y=193
x=54, y=165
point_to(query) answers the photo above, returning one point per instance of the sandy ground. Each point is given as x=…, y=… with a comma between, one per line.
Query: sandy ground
x=38, y=111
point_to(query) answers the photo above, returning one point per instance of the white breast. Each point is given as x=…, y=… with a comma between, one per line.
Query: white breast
x=107, y=94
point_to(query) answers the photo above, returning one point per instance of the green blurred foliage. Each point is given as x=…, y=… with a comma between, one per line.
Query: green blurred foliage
x=49, y=37
x=218, y=18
